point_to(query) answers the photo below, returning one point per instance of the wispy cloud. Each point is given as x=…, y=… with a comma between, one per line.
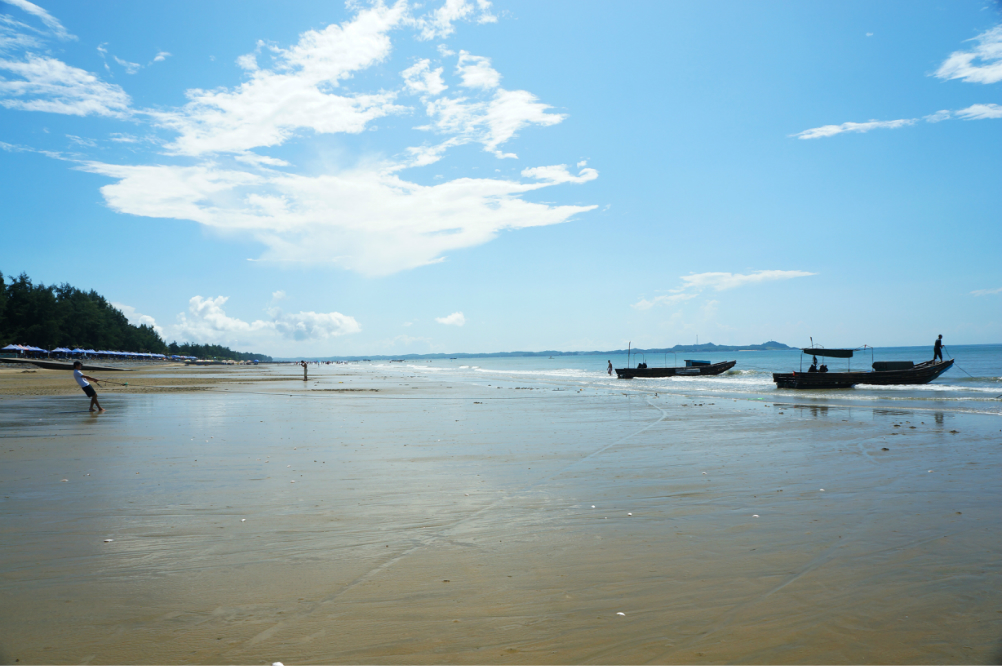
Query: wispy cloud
x=973, y=112
x=980, y=112
x=130, y=67
x=666, y=299
x=438, y=23
x=58, y=31
x=455, y=319
x=982, y=64
x=722, y=281
x=161, y=56
x=45, y=84
x=986, y=292
x=298, y=93
x=494, y=117
x=367, y=217
x=832, y=130
x=694, y=283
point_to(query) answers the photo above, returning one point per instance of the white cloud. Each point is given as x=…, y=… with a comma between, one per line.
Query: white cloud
x=491, y=122
x=421, y=79
x=559, y=174
x=981, y=112
x=722, y=281
x=438, y=23
x=294, y=95
x=667, y=299
x=368, y=217
x=247, y=61
x=130, y=67
x=485, y=12
x=832, y=130
x=278, y=295
x=50, y=85
x=138, y=318
x=161, y=56
x=694, y=283
x=476, y=72
x=48, y=19
x=973, y=112
x=982, y=64
x=455, y=319
x=207, y=322
x=370, y=221
x=259, y=160
x=81, y=141
x=986, y=292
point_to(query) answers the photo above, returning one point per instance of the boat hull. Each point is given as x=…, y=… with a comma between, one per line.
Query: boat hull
x=647, y=373
x=923, y=373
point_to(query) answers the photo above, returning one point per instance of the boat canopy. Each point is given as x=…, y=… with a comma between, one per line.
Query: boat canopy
x=834, y=353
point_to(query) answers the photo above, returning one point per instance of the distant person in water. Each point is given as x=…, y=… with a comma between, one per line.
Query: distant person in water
x=87, y=388
x=937, y=349
x=610, y=367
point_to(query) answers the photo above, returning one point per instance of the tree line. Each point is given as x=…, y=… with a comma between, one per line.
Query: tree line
x=64, y=316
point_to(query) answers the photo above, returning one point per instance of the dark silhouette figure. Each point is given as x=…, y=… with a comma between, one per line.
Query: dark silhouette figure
x=937, y=349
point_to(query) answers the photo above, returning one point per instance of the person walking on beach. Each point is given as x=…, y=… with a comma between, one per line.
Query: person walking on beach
x=87, y=388
x=937, y=349
x=610, y=368
x=303, y=363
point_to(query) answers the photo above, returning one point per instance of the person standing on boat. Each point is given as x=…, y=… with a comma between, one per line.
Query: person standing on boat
x=937, y=349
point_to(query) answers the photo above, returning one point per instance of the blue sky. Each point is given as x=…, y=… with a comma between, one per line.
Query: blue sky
x=318, y=179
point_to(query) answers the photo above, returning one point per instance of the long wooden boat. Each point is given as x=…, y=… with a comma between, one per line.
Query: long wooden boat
x=686, y=371
x=883, y=374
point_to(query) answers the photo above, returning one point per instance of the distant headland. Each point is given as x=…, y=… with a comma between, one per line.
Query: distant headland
x=772, y=345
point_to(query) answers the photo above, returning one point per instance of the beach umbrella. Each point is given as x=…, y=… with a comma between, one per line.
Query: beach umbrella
x=11, y=347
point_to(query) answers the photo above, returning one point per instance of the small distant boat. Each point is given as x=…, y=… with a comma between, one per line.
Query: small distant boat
x=691, y=368
x=884, y=373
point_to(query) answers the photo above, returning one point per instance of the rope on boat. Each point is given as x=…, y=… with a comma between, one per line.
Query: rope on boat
x=955, y=363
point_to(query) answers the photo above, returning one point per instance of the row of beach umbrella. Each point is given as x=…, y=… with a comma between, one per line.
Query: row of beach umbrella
x=91, y=352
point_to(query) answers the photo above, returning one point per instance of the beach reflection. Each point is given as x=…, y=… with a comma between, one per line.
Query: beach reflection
x=450, y=522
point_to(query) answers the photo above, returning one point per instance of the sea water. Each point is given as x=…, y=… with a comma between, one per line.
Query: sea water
x=973, y=384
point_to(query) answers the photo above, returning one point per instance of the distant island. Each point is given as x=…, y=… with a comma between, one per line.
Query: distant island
x=772, y=345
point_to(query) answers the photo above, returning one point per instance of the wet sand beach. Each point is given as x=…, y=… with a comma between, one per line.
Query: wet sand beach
x=373, y=516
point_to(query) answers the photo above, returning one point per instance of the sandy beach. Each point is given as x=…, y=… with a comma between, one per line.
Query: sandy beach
x=370, y=515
